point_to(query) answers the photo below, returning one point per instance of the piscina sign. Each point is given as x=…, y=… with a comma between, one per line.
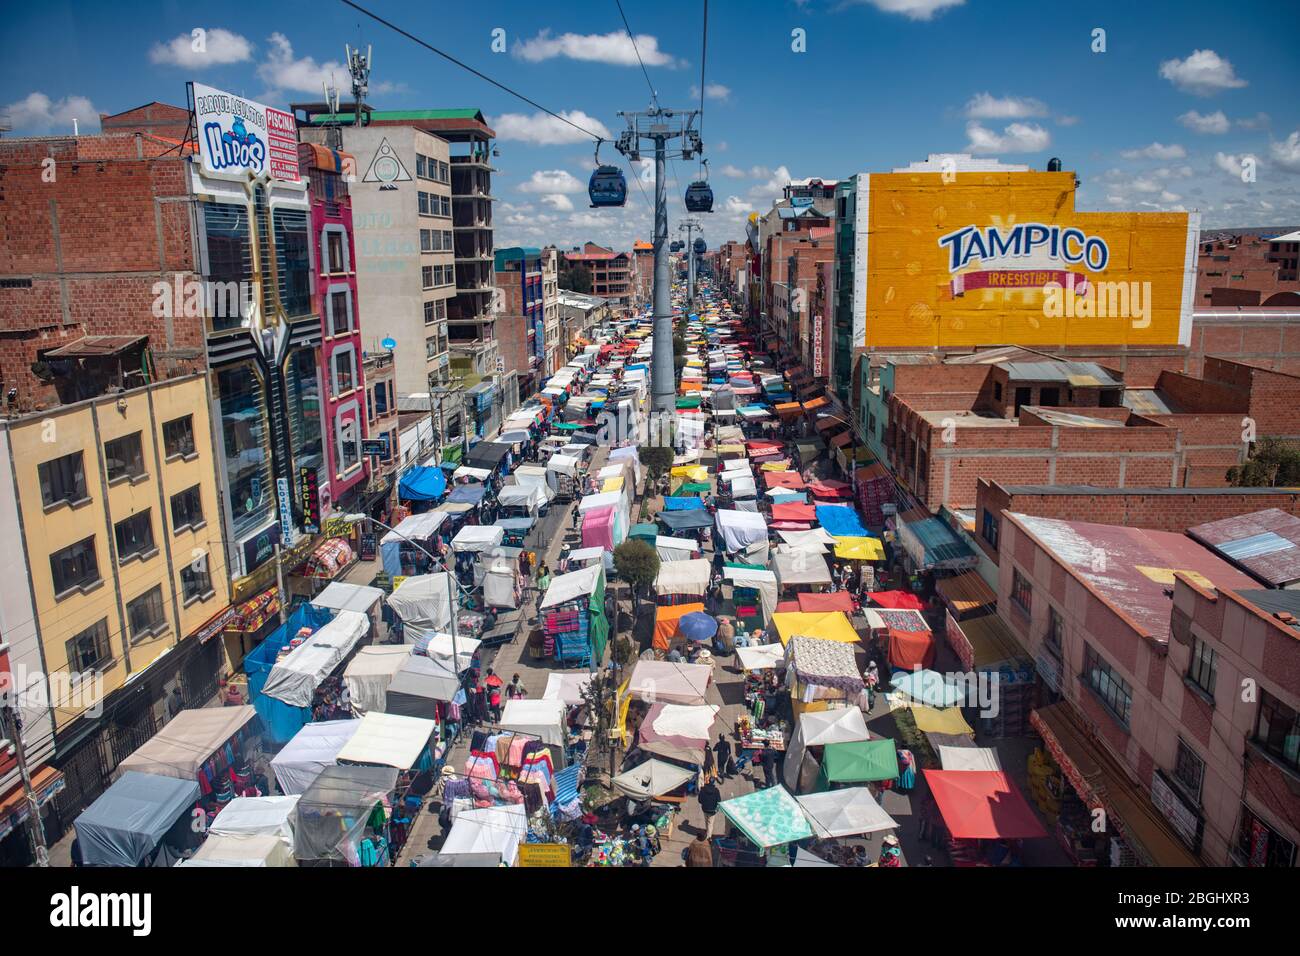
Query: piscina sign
x=237, y=135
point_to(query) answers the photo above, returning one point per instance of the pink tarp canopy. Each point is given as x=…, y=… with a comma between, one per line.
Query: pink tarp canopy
x=598, y=528
x=898, y=600
x=793, y=511
x=817, y=603
x=830, y=488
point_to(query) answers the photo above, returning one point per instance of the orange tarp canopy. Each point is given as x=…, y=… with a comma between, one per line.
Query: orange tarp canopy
x=834, y=601
x=819, y=402
x=910, y=649
x=784, y=479
x=666, y=620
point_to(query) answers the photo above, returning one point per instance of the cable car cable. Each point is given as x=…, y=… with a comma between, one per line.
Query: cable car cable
x=654, y=97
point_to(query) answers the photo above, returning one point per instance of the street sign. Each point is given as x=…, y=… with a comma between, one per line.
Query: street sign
x=545, y=854
x=389, y=343
x=374, y=446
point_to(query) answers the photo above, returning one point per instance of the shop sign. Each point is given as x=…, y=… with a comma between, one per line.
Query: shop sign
x=817, y=346
x=1049, y=669
x=238, y=135
x=309, y=492
x=545, y=854
x=377, y=447
x=1182, y=817
x=261, y=546
x=286, y=509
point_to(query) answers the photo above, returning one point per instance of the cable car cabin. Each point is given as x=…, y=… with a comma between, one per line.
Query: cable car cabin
x=607, y=187
x=700, y=247
x=699, y=197
x=676, y=245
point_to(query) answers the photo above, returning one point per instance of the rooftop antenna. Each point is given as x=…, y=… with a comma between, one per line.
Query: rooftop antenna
x=333, y=132
x=359, y=66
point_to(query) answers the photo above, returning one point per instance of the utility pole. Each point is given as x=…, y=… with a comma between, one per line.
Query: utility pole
x=11, y=727
x=658, y=126
x=689, y=226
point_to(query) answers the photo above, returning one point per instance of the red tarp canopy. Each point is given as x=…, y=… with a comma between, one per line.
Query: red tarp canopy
x=763, y=446
x=829, y=488
x=820, y=603
x=790, y=526
x=793, y=511
x=784, y=479
x=982, y=805
x=898, y=600
x=789, y=607
x=911, y=649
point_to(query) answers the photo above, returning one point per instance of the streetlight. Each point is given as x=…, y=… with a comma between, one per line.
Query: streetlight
x=455, y=631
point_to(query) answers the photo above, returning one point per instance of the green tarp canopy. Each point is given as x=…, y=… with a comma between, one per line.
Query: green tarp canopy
x=693, y=488
x=746, y=567
x=858, y=761
x=452, y=453
x=768, y=817
x=597, y=623
x=568, y=426
x=647, y=532
x=688, y=402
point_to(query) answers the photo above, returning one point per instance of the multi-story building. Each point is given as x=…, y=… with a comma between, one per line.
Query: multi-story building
x=381, y=417
x=118, y=583
x=1248, y=267
x=611, y=276
x=850, y=280
x=643, y=273
x=521, y=314
x=1143, y=642
x=339, y=481
x=579, y=315
x=551, y=361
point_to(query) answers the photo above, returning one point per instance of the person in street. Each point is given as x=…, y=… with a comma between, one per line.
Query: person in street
x=722, y=753
x=494, y=702
x=563, y=564
x=872, y=679
x=890, y=854
x=175, y=703
x=515, y=689
x=769, y=760
x=710, y=796
x=710, y=768
x=699, y=853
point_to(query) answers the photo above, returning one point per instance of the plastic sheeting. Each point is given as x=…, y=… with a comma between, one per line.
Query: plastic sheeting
x=476, y=538
x=417, y=688
x=241, y=850
x=487, y=830
x=848, y=812
x=422, y=484
x=741, y=529
x=313, y=748
x=369, y=673
x=683, y=577
x=187, y=741
x=499, y=583
x=801, y=568
x=258, y=816
x=566, y=687
x=543, y=719
x=670, y=683
x=389, y=740
x=341, y=596
x=569, y=587
x=522, y=496
x=125, y=823
x=423, y=604
x=333, y=813
x=295, y=678
x=674, y=549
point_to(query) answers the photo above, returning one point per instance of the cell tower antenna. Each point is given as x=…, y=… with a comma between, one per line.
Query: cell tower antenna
x=359, y=66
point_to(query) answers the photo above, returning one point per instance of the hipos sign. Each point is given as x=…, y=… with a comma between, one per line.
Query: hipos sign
x=239, y=136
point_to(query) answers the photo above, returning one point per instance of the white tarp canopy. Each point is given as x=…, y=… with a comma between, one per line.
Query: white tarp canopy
x=566, y=686
x=369, y=673
x=741, y=529
x=759, y=657
x=474, y=538
x=416, y=527
x=439, y=648
x=534, y=476
x=674, y=549
x=694, y=721
x=762, y=581
x=497, y=830
x=421, y=682
x=816, y=729
x=521, y=496
x=670, y=683
x=295, y=678
x=848, y=812
x=389, y=740
x=187, y=741
x=258, y=816
x=801, y=568
x=540, y=718
x=342, y=596
x=499, y=583
x=423, y=604
x=652, y=779
x=742, y=486
x=740, y=465
x=472, y=473
x=241, y=850
x=568, y=587
x=312, y=749
x=813, y=541
x=969, y=758
x=683, y=577
x=563, y=465
x=605, y=499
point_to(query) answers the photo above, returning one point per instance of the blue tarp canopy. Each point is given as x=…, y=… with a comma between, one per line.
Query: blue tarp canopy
x=841, y=521
x=786, y=497
x=470, y=493
x=423, y=483
x=685, y=520
x=281, y=720
x=123, y=826
x=683, y=504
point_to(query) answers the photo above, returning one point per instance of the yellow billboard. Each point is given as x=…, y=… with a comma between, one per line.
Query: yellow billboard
x=1001, y=258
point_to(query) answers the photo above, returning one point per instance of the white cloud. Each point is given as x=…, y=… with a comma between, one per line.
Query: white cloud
x=558, y=201
x=283, y=71
x=735, y=172
x=552, y=181
x=614, y=48
x=1204, y=73
x=1230, y=163
x=1016, y=138
x=1258, y=121
x=542, y=129
x=737, y=206
x=988, y=106
x=912, y=9
x=771, y=190
x=754, y=172
x=1286, y=153
x=1067, y=121
x=37, y=113
x=1215, y=122
x=1167, y=196
x=712, y=91
x=220, y=47
x=1156, y=151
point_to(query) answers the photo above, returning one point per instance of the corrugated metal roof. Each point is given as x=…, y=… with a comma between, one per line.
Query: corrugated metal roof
x=1149, y=401
x=1080, y=374
x=1054, y=417
x=1266, y=543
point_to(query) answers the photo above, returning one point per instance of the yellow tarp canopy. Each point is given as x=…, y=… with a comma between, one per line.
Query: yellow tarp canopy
x=930, y=720
x=692, y=472
x=827, y=625
x=730, y=449
x=782, y=465
x=612, y=484
x=859, y=549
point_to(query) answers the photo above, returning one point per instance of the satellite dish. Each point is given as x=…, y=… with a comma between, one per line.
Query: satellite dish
x=389, y=343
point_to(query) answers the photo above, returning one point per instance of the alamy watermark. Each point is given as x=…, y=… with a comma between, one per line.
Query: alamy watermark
x=76, y=691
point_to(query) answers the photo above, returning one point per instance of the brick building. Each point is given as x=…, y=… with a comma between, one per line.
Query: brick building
x=159, y=120
x=1248, y=267
x=521, y=314
x=643, y=272
x=611, y=276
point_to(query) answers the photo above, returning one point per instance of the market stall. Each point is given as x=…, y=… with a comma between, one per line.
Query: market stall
x=297, y=674
x=800, y=571
x=391, y=740
x=202, y=745
x=138, y=817
x=859, y=761
x=821, y=673
x=852, y=811
x=654, y=778
x=343, y=596
x=678, y=731
x=492, y=831
x=667, y=682
x=574, y=627
x=312, y=749
x=744, y=533
x=342, y=818
x=767, y=818
x=257, y=850
x=258, y=816
x=981, y=805
x=817, y=729
x=682, y=581
x=369, y=673
x=423, y=604
x=826, y=626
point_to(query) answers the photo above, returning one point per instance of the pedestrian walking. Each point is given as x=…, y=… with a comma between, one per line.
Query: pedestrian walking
x=769, y=766
x=710, y=796
x=699, y=853
x=710, y=768
x=722, y=753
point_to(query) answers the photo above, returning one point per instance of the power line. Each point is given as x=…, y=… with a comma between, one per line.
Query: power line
x=465, y=66
x=654, y=97
x=704, y=52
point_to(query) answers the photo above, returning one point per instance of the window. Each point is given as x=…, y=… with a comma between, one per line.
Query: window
x=1277, y=730
x=89, y=649
x=336, y=250
x=63, y=480
x=230, y=253
x=145, y=615
x=293, y=261
x=430, y=314
x=178, y=437
x=245, y=438
x=75, y=566
x=1022, y=593
x=426, y=240
x=306, y=438
x=1055, y=631
x=196, y=582
x=134, y=537
x=1204, y=667
x=1189, y=771
x=124, y=457
x=426, y=277
x=421, y=169
x=340, y=311
x=1259, y=844
x=348, y=435
x=187, y=510
x=1113, y=690
x=344, y=366
x=989, y=528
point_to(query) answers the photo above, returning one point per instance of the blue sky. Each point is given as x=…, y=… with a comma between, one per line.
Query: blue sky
x=1161, y=119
